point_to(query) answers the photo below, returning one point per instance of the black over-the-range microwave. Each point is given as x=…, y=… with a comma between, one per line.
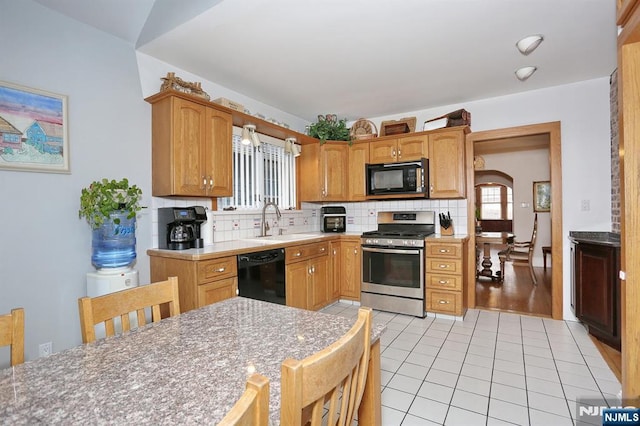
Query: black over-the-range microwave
x=411, y=177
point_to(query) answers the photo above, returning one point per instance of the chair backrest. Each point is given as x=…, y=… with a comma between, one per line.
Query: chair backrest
x=12, y=334
x=252, y=409
x=339, y=371
x=104, y=309
x=534, y=234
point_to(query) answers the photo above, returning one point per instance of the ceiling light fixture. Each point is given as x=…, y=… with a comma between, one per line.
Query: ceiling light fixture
x=529, y=43
x=255, y=139
x=525, y=72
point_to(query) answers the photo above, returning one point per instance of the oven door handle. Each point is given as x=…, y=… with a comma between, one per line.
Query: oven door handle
x=392, y=251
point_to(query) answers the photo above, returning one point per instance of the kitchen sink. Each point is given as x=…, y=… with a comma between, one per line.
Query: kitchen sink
x=282, y=238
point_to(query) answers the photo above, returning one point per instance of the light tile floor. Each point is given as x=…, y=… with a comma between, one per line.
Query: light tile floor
x=489, y=369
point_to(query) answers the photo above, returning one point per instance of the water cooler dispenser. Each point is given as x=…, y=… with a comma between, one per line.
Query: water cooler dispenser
x=110, y=280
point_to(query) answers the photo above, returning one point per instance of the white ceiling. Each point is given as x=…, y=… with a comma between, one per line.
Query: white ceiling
x=364, y=58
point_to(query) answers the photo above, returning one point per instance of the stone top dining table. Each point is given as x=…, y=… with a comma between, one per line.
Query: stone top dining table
x=187, y=369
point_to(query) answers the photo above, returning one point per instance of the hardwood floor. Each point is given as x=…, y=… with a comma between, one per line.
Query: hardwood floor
x=517, y=293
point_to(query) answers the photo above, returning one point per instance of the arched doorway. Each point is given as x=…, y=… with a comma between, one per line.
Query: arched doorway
x=501, y=136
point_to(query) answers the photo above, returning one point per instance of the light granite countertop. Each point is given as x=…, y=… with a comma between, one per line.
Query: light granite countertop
x=188, y=369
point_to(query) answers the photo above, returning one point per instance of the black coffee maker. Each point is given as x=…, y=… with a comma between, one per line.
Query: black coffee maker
x=179, y=227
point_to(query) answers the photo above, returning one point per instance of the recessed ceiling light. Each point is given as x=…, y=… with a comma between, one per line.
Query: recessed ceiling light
x=525, y=72
x=529, y=43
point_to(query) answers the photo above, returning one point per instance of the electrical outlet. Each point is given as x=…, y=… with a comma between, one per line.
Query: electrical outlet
x=585, y=205
x=45, y=349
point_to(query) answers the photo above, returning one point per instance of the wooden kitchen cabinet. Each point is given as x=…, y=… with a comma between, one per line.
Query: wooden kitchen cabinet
x=596, y=289
x=406, y=148
x=357, y=181
x=200, y=283
x=191, y=148
x=308, y=276
x=324, y=172
x=444, y=266
x=447, y=164
x=350, y=269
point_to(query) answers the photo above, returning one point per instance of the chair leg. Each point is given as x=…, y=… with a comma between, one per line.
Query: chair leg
x=502, y=262
x=533, y=275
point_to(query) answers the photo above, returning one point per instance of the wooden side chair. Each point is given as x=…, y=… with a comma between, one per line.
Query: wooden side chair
x=252, y=409
x=12, y=334
x=522, y=256
x=334, y=376
x=104, y=309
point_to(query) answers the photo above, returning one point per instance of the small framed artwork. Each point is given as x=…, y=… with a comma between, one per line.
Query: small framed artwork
x=33, y=130
x=542, y=196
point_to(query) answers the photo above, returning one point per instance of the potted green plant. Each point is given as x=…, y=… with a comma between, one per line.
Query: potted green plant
x=110, y=208
x=330, y=128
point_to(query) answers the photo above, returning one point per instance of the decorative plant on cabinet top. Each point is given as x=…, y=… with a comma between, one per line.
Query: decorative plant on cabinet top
x=330, y=128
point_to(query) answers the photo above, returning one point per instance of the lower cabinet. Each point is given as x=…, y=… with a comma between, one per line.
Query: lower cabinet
x=200, y=282
x=350, y=269
x=308, y=276
x=596, y=290
x=444, y=260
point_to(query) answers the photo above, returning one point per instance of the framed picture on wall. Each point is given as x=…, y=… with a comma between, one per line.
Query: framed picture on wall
x=542, y=196
x=33, y=130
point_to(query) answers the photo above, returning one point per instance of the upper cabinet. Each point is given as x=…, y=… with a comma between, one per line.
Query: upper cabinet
x=358, y=158
x=447, y=164
x=323, y=172
x=191, y=148
x=407, y=148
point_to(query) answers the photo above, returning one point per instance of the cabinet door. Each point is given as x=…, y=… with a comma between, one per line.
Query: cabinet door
x=217, y=291
x=385, y=151
x=334, y=163
x=189, y=156
x=218, y=146
x=319, y=283
x=596, y=269
x=336, y=269
x=351, y=270
x=446, y=165
x=297, y=278
x=358, y=157
x=413, y=148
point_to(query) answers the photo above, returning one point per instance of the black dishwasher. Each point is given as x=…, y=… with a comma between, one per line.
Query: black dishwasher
x=261, y=276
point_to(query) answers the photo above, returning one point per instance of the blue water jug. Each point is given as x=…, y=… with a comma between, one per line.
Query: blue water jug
x=114, y=244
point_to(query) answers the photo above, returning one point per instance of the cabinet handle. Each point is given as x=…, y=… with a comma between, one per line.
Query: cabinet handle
x=443, y=266
x=220, y=269
x=210, y=182
x=204, y=182
x=313, y=269
x=443, y=302
x=334, y=252
x=443, y=282
x=298, y=254
x=444, y=251
x=399, y=153
x=393, y=153
x=355, y=251
x=322, y=249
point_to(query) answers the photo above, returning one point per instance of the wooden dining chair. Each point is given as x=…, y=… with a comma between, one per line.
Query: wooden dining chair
x=104, y=309
x=334, y=376
x=252, y=409
x=522, y=256
x=12, y=334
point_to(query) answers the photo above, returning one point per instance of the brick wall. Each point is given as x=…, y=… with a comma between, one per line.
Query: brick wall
x=615, y=158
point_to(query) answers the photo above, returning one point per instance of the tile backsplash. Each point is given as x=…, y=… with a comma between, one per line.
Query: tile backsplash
x=362, y=216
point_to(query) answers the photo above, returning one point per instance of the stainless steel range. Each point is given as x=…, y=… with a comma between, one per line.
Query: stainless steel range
x=393, y=262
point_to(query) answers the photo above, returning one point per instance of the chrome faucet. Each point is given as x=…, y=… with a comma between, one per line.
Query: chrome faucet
x=265, y=226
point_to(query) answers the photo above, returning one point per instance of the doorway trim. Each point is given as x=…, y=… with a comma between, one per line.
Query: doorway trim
x=555, y=167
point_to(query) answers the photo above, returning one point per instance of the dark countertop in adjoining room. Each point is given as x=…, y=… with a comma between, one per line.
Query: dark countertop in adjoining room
x=596, y=237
